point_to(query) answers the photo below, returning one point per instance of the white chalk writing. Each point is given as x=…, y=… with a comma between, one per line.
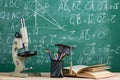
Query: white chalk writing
x=76, y=25
x=9, y=15
x=9, y=3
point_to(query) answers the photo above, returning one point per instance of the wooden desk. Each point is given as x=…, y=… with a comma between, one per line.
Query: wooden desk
x=46, y=76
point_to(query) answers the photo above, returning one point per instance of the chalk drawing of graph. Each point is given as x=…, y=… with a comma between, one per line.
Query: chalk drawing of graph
x=40, y=12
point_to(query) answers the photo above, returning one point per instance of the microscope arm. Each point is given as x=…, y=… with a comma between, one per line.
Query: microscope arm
x=18, y=61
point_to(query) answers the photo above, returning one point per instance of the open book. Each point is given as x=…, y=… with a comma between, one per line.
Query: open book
x=95, y=71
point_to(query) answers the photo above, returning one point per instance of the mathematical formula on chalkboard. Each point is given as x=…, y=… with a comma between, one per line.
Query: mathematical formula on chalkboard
x=89, y=25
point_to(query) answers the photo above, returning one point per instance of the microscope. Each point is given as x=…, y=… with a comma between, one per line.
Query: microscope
x=21, y=43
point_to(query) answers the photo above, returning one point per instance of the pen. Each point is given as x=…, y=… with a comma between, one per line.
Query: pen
x=49, y=54
x=59, y=55
x=62, y=56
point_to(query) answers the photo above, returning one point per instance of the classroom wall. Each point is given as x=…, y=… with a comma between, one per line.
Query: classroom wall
x=91, y=26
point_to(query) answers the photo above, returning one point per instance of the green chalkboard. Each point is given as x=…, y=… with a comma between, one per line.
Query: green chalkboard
x=91, y=26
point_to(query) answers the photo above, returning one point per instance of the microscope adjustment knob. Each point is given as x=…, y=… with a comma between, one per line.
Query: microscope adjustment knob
x=18, y=35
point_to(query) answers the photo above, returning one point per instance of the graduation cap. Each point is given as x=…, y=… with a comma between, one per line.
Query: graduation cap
x=64, y=48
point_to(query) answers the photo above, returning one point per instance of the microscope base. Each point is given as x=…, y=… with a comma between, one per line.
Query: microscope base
x=23, y=75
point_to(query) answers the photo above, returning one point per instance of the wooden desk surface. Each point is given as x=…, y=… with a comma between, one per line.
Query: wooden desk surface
x=46, y=76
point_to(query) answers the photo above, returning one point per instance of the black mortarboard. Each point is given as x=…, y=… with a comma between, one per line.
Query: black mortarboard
x=64, y=48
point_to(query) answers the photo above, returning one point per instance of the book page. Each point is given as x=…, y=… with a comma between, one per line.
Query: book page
x=76, y=68
x=97, y=68
x=99, y=74
x=90, y=67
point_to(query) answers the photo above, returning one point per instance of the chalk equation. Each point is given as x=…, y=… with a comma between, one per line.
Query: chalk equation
x=91, y=52
x=75, y=22
x=88, y=5
x=91, y=18
x=84, y=11
x=10, y=3
x=87, y=35
x=91, y=60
